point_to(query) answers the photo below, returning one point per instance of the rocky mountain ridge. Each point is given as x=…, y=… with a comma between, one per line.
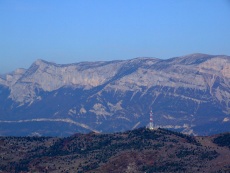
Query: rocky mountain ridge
x=189, y=93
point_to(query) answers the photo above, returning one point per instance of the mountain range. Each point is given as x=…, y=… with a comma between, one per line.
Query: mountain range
x=189, y=94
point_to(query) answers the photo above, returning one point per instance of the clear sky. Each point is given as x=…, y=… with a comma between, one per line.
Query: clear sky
x=68, y=31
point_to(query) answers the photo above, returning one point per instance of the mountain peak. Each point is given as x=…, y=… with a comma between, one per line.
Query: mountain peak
x=195, y=55
x=192, y=59
x=41, y=61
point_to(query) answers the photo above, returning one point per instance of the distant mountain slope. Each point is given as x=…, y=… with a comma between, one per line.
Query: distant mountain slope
x=190, y=94
x=140, y=150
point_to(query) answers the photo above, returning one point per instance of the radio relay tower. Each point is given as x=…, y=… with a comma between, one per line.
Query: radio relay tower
x=150, y=125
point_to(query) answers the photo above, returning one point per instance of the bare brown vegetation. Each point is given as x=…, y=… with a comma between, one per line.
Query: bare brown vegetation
x=139, y=150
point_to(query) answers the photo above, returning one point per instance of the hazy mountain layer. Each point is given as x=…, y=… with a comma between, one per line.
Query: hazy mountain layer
x=190, y=94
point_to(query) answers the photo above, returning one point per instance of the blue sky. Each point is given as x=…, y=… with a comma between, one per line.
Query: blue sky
x=90, y=30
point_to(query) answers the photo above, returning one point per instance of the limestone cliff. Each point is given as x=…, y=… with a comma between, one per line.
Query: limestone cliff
x=189, y=93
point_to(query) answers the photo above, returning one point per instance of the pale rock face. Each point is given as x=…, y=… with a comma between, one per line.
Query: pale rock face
x=196, y=71
x=170, y=78
x=12, y=78
x=226, y=119
x=115, y=107
x=2, y=81
x=72, y=112
x=83, y=111
x=183, y=92
x=217, y=64
x=99, y=109
x=50, y=77
x=197, y=76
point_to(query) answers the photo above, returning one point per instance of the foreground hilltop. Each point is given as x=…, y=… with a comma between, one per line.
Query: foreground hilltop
x=190, y=94
x=140, y=150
